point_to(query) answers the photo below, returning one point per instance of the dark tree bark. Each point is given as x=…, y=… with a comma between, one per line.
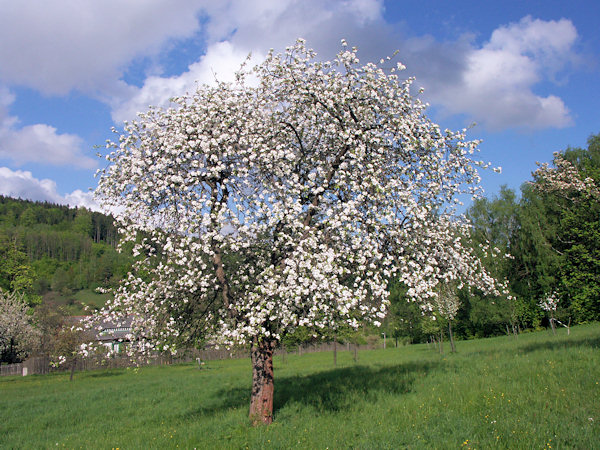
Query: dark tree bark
x=261, y=400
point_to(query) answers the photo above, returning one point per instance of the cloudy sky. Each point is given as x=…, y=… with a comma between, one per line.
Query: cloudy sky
x=527, y=73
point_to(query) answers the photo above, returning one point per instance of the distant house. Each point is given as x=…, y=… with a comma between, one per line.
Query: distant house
x=115, y=335
x=112, y=335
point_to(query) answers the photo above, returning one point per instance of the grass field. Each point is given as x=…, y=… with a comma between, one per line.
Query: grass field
x=74, y=304
x=537, y=391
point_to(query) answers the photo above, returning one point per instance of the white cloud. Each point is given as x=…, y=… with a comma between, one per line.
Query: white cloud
x=221, y=61
x=89, y=45
x=497, y=81
x=493, y=84
x=58, y=46
x=22, y=184
x=85, y=199
x=6, y=99
x=544, y=40
x=365, y=10
x=264, y=24
x=38, y=143
x=41, y=143
x=238, y=28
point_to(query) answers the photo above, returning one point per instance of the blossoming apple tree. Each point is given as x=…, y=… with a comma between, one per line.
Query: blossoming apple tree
x=549, y=305
x=571, y=186
x=564, y=179
x=287, y=198
x=18, y=335
x=447, y=304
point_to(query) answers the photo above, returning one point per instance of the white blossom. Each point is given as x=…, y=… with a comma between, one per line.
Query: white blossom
x=550, y=303
x=17, y=333
x=292, y=202
x=564, y=179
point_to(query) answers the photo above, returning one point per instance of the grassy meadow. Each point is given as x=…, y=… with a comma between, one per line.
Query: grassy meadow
x=74, y=304
x=537, y=391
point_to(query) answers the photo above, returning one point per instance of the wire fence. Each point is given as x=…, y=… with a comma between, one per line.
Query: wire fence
x=43, y=364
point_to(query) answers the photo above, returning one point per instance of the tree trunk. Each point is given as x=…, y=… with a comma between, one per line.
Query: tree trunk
x=453, y=348
x=334, y=350
x=261, y=400
x=73, y=361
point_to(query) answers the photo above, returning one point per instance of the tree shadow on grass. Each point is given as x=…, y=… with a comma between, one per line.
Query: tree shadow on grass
x=559, y=342
x=103, y=373
x=338, y=389
x=562, y=342
x=327, y=391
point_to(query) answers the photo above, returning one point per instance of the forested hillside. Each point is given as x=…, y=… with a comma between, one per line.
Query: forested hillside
x=57, y=254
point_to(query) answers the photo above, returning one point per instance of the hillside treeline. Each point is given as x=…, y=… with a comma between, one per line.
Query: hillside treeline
x=46, y=247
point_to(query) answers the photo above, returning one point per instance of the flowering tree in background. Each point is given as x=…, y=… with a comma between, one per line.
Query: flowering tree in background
x=447, y=304
x=572, y=186
x=66, y=347
x=287, y=198
x=17, y=335
x=549, y=305
x=564, y=179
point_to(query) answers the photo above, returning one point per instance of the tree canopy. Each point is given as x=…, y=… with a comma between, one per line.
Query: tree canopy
x=573, y=186
x=17, y=334
x=286, y=199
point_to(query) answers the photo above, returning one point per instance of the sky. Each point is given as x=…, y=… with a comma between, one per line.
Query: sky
x=523, y=76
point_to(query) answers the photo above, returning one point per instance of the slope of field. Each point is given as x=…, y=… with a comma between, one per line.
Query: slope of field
x=537, y=391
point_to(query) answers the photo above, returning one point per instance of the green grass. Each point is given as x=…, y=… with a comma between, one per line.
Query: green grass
x=533, y=392
x=74, y=304
x=91, y=298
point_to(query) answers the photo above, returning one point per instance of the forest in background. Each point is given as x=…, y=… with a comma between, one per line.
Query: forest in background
x=552, y=239
x=57, y=256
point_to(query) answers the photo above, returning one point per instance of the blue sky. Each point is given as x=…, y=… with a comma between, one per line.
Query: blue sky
x=525, y=72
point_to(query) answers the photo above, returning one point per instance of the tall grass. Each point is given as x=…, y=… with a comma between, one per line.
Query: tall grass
x=537, y=391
